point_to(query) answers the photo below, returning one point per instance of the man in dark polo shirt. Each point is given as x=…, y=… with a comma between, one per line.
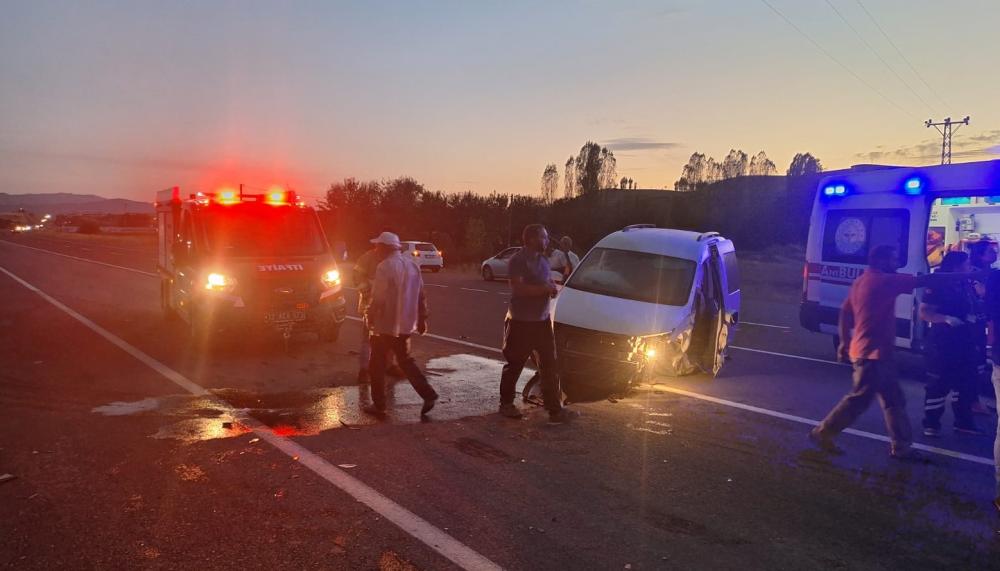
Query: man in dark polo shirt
x=870, y=311
x=528, y=327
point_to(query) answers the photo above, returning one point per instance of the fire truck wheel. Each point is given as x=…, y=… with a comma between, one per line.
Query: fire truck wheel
x=165, y=304
x=330, y=332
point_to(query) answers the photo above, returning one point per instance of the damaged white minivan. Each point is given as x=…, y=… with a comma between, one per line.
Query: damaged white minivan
x=647, y=299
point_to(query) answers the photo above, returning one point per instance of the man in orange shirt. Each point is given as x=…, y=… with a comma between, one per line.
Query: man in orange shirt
x=870, y=310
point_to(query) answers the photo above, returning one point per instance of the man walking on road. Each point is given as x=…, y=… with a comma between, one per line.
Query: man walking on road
x=870, y=309
x=528, y=327
x=364, y=274
x=398, y=309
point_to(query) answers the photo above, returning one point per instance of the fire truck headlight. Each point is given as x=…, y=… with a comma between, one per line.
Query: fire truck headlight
x=331, y=278
x=219, y=282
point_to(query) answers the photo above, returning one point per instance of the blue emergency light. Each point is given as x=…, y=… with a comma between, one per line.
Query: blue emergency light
x=834, y=190
x=913, y=186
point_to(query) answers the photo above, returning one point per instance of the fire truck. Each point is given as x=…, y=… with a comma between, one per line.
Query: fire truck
x=239, y=262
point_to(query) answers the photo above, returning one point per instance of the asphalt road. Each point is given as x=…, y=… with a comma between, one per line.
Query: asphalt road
x=133, y=448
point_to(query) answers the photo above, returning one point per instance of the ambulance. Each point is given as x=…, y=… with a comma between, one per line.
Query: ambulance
x=232, y=262
x=922, y=211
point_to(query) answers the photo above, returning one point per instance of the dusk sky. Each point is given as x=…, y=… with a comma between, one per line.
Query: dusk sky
x=124, y=98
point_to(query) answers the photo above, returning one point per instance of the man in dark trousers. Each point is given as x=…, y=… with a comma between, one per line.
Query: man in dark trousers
x=528, y=327
x=870, y=310
x=398, y=309
x=364, y=274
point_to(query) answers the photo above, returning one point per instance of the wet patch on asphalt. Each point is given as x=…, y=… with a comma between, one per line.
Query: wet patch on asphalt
x=468, y=385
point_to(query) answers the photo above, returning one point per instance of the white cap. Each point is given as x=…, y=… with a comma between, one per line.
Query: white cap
x=388, y=239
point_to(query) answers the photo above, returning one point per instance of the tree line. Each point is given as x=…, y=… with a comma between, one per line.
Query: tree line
x=701, y=170
x=593, y=168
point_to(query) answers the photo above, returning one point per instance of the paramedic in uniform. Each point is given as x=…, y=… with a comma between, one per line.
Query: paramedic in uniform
x=952, y=363
x=870, y=310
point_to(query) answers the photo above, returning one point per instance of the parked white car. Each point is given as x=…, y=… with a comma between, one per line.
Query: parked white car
x=425, y=254
x=647, y=296
x=497, y=267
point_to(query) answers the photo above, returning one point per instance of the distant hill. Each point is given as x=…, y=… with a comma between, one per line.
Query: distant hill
x=67, y=203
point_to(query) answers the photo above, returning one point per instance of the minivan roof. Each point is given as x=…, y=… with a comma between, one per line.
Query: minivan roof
x=663, y=241
x=961, y=179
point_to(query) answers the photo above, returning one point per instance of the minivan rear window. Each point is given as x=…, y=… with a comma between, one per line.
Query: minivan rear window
x=425, y=247
x=850, y=234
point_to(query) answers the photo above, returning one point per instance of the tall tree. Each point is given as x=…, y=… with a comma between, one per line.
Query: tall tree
x=550, y=183
x=735, y=164
x=623, y=183
x=569, y=177
x=760, y=165
x=596, y=168
x=693, y=174
x=609, y=169
x=804, y=164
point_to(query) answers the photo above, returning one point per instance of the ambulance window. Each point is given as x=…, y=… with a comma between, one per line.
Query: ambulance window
x=850, y=234
x=732, y=272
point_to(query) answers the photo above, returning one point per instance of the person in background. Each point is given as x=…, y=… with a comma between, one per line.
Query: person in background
x=557, y=262
x=870, y=311
x=528, y=326
x=398, y=309
x=982, y=256
x=364, y=273
x=572, y=260
x=992, y=299
x=951, y=348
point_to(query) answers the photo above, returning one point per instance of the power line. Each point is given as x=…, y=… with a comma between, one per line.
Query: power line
x=837, y=61
x=879, y=56
x=901, y=55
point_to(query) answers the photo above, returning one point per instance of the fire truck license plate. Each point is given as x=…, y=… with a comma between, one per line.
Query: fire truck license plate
x=279, y=316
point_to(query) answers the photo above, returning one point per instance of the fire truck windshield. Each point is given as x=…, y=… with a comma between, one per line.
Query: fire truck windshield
x=251, y=230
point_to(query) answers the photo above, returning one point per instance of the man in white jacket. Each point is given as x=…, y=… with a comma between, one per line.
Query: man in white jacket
x=398, y=309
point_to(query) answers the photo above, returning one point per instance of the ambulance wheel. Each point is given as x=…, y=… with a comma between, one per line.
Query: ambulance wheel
x=330, y=332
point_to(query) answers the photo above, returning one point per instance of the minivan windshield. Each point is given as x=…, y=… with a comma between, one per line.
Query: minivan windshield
x=637, y=276
x=252, y=230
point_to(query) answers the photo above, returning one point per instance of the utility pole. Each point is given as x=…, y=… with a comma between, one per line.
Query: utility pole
x=949, y=127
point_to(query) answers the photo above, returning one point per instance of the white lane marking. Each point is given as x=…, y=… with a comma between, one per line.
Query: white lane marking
x=450, y=548
x=768, y=412
x=788, y=356
x=473, y=289
x=84, y=249
x=79, y=259
x=763, y=325
x=434, y=285
x=811, y=422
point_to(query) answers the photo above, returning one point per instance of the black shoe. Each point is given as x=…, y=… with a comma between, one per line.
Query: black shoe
x=562, y=416
x=510, y=410
x=824, y=443
x=363, y=377
x=933, y=431
x=908, y=454
x=395, y=371
x=374, y=411
x=428, y=405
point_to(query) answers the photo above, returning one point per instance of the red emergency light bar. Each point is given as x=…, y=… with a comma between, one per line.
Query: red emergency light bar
x=229, y=196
